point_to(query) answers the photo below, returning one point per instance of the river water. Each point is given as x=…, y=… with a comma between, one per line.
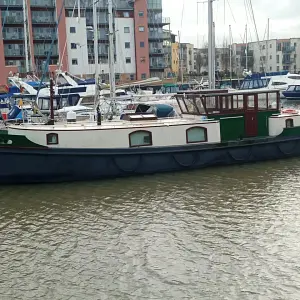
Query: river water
x=220, y=233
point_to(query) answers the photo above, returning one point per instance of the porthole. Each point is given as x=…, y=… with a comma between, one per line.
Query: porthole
x=196, y=135
x=52, y=139
x=140, y=138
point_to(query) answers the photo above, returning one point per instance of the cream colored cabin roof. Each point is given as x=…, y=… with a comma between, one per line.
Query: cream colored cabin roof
x=111, y=125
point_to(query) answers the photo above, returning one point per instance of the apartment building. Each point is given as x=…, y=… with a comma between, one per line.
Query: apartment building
x=27, y=38
x=268, y=56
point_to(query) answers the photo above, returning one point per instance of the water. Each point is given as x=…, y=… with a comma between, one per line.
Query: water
x=222, y=233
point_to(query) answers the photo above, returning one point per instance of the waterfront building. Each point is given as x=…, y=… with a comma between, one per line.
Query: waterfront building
x=29, y=32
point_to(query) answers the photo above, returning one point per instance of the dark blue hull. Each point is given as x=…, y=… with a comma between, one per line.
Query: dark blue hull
x=291, y=95
x=58, y=165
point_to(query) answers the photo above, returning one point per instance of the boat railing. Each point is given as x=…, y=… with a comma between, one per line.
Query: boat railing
x=227, y=103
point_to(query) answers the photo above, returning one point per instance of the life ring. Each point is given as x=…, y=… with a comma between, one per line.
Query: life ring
x=289, y=111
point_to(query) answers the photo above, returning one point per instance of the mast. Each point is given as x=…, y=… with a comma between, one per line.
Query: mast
x=230, y=53
x=180, y=58
x=246, y=50
x=267, y=45
x=95, y=25
x=112, y=80
x=26, y=36
x=211, y=44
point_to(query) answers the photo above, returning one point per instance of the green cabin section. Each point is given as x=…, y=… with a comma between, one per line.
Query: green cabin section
x=16, y=141
x=233, y=126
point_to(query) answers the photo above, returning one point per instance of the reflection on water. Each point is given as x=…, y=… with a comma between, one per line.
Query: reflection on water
x=222, y=233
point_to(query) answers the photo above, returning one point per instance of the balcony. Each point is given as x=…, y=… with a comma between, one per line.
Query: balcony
x=14, y=52
x=13, y=19
x=288, y=60
x=288, y=49
x=6, y=3
x=152, y=21
x=157, y=66
x=156, y=51
x=43, y=52
x=156, y=36
x=42, y=3
x=13, y=36
x=41, y=20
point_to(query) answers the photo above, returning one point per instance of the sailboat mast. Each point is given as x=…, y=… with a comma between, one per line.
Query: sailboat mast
x=246, y=50
x=211, y=45
x=180, y=58
x=230, y=53
x=26, y=36
x=267, y=45
x=95, y=25
x=112, y=80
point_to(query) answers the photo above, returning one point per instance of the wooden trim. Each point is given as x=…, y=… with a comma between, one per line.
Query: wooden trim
x=205, y=134
x=48, y=135
x=136, y=146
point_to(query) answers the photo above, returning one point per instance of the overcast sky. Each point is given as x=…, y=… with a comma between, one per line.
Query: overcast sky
x=283, y=14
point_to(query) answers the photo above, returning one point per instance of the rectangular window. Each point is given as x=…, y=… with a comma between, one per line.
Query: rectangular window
x=141, y=28
x=126, y=14
x=141, y=13
x=270, y=56
x=131, y=76
x=73, y=46
x=127, y=45
x=126, y=30
x=277, y=59
x=142, y=44
x=74, y=61
x=72, y=30
x=270, y=45
x=117, y=76
x=277, y=68
x=143, y=76
x=128, y=60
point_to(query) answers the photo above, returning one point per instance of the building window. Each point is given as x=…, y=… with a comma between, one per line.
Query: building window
x=52, y=139
x=141, y=28
x=128, y=60
x=140, y=138
x=142, y=44
x=117, y=76
x=270, y=56
x=289, y=123
x=196, y=135
x=73, y=46
x=277, y=59
x=126, y=14
x=295, y=45
x=126, y=30
x=277, y=68
x=74, y=61
x=131, y=76
x=270, y=68
x=141, y=13
x=270, y=45
x=72, y=30
x=143, y=76
x=127, y=45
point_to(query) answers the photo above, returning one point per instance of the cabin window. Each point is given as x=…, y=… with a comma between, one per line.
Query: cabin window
x=52, y=139
x=289, y=123
x=196, y=135
x=140, y=138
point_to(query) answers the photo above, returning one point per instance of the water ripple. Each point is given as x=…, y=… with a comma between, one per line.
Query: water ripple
x=223, y=233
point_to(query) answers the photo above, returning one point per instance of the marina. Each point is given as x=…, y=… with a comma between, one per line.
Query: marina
x=137, y=165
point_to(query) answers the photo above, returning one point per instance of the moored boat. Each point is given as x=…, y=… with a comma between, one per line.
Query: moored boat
x=292, y=92
x=214, y=129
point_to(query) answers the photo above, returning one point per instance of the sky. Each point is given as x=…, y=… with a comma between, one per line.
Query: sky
x=283, y=16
